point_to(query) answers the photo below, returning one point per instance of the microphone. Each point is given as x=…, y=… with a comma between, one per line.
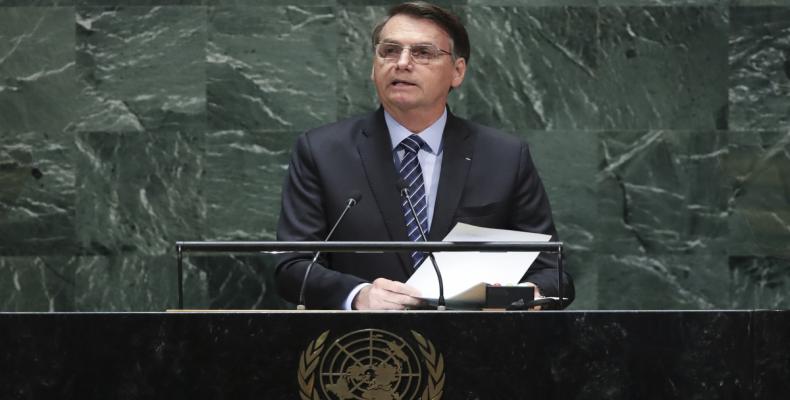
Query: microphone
x=404, y=192
x=353, y=199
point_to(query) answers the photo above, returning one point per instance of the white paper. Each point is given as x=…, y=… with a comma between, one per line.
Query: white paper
x=465, y=274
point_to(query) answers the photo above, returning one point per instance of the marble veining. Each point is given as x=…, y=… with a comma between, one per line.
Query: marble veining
x=143, y=187
x=664, y=169
x=37, y=194
x=759, y=90
x=663, y=67
x=546, y=65
x=758, y=165
x=37, y=69
x=271, y=68
x=141, y=68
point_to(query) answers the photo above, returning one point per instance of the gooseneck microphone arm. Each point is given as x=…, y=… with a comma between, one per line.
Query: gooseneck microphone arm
x=404, y=191
x=351, y=202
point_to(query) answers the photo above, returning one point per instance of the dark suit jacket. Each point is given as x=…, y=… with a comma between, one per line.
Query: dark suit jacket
x=487, y=179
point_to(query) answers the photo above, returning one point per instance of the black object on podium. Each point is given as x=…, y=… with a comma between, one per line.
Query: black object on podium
x=509, y=297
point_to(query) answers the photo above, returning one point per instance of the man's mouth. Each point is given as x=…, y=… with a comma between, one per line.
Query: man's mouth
x=402, y=83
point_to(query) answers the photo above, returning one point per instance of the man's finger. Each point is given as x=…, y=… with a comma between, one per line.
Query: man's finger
x=395, y=298
x=397, y=287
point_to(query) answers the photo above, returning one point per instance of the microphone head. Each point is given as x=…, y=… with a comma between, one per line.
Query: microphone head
x=402, y=186
x=354, y=197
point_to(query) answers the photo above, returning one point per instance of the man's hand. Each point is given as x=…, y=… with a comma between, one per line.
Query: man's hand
x=385, y=294
x=538, y=295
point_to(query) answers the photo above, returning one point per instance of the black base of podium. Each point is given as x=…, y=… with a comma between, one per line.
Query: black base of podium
x=458, y=355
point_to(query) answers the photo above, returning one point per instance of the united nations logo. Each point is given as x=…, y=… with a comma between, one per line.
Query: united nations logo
x=370, y=364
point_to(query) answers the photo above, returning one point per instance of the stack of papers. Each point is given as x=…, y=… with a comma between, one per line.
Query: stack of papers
x=465, y=274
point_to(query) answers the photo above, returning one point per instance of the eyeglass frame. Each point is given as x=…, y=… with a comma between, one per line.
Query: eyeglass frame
x=411, y=55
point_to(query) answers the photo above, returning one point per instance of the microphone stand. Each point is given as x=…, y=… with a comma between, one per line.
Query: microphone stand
x=351, y=203
x=440, y=304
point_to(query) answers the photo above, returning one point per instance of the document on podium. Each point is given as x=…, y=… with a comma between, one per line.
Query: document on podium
x=465, y=274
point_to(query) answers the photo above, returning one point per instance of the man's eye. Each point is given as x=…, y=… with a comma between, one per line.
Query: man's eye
x=421, y=52
x=391, y=50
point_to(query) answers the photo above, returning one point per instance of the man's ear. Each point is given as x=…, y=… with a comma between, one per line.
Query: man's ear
x=459, y=71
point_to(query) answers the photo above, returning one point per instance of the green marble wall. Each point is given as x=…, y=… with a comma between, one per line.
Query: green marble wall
x=661, y=129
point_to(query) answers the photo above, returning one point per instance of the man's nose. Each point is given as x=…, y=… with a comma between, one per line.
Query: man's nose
x=405, y=58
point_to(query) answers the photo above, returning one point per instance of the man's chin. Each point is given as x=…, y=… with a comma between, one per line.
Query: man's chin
x=400, y=107
x=401, y=104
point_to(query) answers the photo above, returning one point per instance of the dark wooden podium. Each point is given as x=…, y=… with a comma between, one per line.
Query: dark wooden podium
x=416, y=354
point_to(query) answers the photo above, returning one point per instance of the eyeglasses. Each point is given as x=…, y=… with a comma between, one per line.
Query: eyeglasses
x=420, y=53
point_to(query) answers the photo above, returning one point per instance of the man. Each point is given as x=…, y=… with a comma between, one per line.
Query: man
x=456, y=171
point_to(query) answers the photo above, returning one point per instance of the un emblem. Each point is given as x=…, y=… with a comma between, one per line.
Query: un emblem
x=370, y=364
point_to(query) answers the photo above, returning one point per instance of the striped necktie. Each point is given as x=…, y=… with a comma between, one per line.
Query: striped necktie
x=411, y=173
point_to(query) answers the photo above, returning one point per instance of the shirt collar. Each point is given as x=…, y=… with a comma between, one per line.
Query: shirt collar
x=432, y=135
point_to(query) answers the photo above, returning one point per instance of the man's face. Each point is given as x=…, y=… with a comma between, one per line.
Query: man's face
x=405, y=85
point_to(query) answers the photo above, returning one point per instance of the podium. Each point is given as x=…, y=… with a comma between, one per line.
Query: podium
x=408, y=355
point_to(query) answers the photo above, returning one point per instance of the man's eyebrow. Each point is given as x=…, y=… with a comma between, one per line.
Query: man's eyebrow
x=393, y=41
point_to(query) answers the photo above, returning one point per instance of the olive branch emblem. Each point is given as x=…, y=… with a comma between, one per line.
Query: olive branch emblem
x=308, y=361
x=434, y=362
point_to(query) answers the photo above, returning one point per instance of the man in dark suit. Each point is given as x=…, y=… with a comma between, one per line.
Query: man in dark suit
x=456, y=171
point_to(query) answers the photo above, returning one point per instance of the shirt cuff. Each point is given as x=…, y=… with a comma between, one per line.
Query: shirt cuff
x=349, y=303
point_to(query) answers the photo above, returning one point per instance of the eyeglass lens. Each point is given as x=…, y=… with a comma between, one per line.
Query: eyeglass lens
x=419, y=52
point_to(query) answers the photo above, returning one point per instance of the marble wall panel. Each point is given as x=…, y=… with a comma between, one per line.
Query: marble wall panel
x=568, y=162
x=138, y=192
x=662, y=67
x=583, y=267
x=139, y=2
x=248, y=3
x=534, y=3
x=36, y=3
x=758, y=167
x=760, y=282
x=128, y=283
x=664, y=3
x=663, y=281
x=37, y=194
x=531, y=68
x=235, y=282
x=141, y=68
x=45, y=3
x=37, y=68
x=761, y=2
x=271, y=68
x=662, y=192
x=244, y=172
x=759, y=87
x=389, y=3
x=37, y=283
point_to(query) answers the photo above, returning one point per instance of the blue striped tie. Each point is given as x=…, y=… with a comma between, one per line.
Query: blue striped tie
x=411, y=173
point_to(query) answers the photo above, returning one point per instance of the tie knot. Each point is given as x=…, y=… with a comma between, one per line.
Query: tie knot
x=412, y=144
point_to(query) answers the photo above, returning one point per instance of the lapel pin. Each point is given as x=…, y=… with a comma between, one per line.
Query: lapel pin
x=468, y=159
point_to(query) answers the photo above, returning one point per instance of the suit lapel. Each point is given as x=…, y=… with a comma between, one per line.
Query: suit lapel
x=456, y=161
x=375, y=151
